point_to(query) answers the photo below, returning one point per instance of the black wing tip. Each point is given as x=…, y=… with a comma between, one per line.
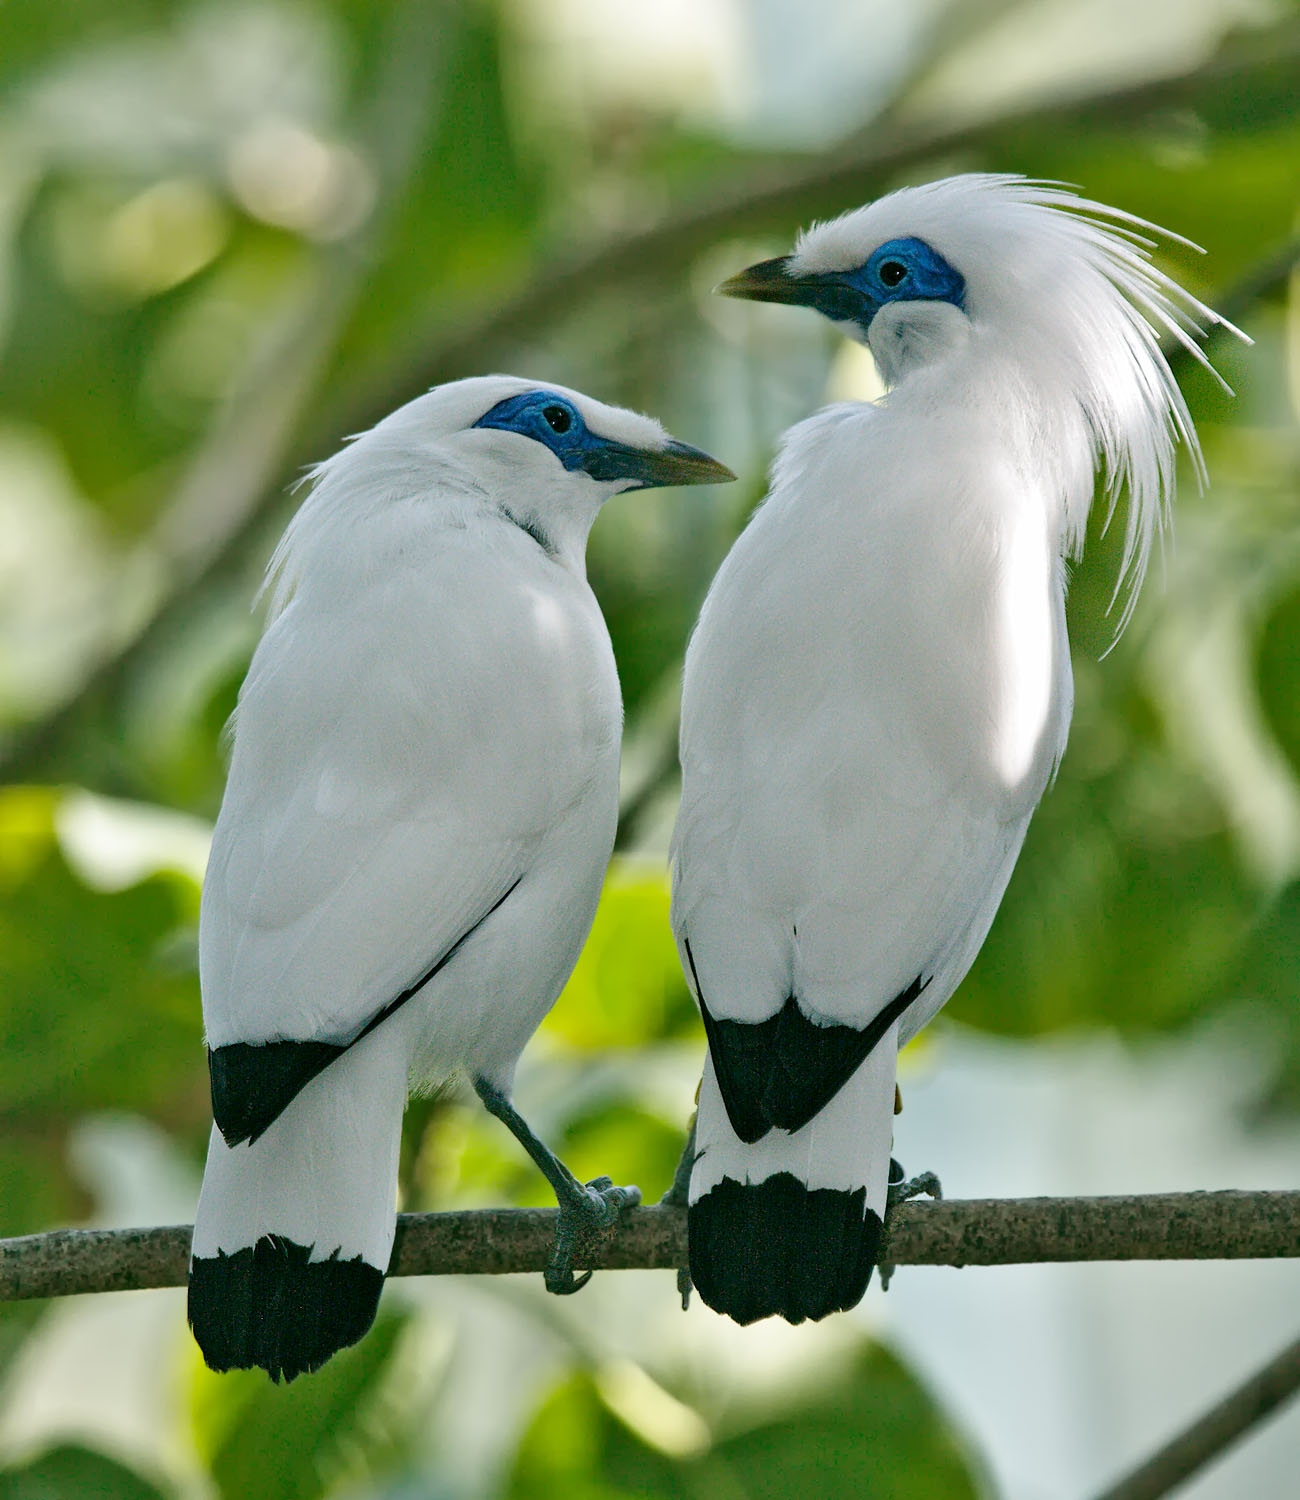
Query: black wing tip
x=780, y=1073
x=269, y=1307
x=779, y=1248
x=253, y=1082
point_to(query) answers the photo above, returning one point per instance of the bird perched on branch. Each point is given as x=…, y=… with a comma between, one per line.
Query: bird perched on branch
x=421, y=804
x=878, y=691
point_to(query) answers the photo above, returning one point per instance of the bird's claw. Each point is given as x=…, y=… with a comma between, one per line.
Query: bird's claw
x=586, y=1218
x=900, y=1189
x=913, y=1187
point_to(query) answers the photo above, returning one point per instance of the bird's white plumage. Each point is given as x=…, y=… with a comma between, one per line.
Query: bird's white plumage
x=878, y=689
x=430, y=721
x=845, y=1146
x=432, y=713
x=860, y=753
x=323, y=1174
x=1068, y=309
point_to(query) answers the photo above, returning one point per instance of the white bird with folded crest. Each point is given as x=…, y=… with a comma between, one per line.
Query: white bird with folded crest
x=421, y=804
x=879, y=690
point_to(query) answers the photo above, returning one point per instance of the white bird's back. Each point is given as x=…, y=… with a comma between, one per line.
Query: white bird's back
x=422, y=800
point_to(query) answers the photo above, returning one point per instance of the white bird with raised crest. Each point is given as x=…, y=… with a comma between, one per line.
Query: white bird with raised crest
x=421, y=804
x=878, y=690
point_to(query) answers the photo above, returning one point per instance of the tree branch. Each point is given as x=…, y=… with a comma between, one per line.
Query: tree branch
x=840, y=178
x=1214, y=1431
x=955, y=1232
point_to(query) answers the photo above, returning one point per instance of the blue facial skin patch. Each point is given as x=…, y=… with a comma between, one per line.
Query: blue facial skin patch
x=903, y=270
x=555, y=422
x=551, y=420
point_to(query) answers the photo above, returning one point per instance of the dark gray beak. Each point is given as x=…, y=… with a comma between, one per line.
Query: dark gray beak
x=675, y=463
x=768, y=281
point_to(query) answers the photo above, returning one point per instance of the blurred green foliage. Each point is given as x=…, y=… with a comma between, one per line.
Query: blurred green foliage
x=298, y=1441
x=69, y=1470
x=872, y=1432
x=231, y=235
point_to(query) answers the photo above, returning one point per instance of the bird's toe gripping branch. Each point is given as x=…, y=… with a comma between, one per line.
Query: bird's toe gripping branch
x=901, y=1188
x=587, y=1215
x=588, y=1211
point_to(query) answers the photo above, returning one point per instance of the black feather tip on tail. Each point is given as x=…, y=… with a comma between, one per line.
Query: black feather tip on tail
x=780, y=1248
x=253, y=1082
x=267, y=1306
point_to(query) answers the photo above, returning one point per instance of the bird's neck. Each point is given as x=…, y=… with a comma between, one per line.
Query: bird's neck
x=979, y=405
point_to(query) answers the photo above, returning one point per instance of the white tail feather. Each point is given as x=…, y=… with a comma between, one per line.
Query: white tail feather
x=846, y=1146
x=324, y=1174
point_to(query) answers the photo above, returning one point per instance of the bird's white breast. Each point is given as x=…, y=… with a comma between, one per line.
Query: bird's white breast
x=874, y=700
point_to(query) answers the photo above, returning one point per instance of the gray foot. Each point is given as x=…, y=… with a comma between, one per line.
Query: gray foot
x=912, y=1187
x=900, y=1189
x=587, y=1215
x=679, y=1196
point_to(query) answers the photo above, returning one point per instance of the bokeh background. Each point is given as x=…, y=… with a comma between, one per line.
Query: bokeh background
x=232, y=233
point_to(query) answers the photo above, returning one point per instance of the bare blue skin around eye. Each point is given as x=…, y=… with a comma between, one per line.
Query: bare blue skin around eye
x=856, y=296
x=523, y=414
x=606, y=460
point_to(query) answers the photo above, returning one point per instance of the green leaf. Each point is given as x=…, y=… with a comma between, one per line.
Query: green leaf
x=627, y=989
x=96, y=1009
x=462, y=224
x=576, y=1447
x=301, y=1440
x=876, y=1432
x=1267, y=978
x=872, y=1430
x=94, y=1013
x=1278, y=674
x=71, y=1472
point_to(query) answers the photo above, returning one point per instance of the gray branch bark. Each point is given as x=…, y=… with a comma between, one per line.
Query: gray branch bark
x=955, y=1232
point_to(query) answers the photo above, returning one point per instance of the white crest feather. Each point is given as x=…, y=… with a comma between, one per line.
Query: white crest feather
x=1071, y=285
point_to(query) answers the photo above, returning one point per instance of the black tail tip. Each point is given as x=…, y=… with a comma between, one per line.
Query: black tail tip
x=778, y=1248
x=269, y=1307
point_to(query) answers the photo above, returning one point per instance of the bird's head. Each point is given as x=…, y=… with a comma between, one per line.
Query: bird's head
x=852, y=275
x=561, y=441
x=550, y=456
x=540, y=456
x=1050, y=301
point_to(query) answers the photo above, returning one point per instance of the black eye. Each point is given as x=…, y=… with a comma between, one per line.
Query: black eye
x=892, y=272
x=557, y=418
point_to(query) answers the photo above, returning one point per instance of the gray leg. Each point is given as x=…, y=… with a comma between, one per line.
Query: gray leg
x=678, y=1196
x=585, y=1209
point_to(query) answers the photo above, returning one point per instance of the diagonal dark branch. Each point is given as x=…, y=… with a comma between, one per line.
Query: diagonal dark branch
x=1214, y=1432
x=860, y=168
x=786, y=198
x=955, y=1232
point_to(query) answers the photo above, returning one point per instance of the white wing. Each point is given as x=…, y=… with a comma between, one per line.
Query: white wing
x=403, y=746
x=863, y=738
